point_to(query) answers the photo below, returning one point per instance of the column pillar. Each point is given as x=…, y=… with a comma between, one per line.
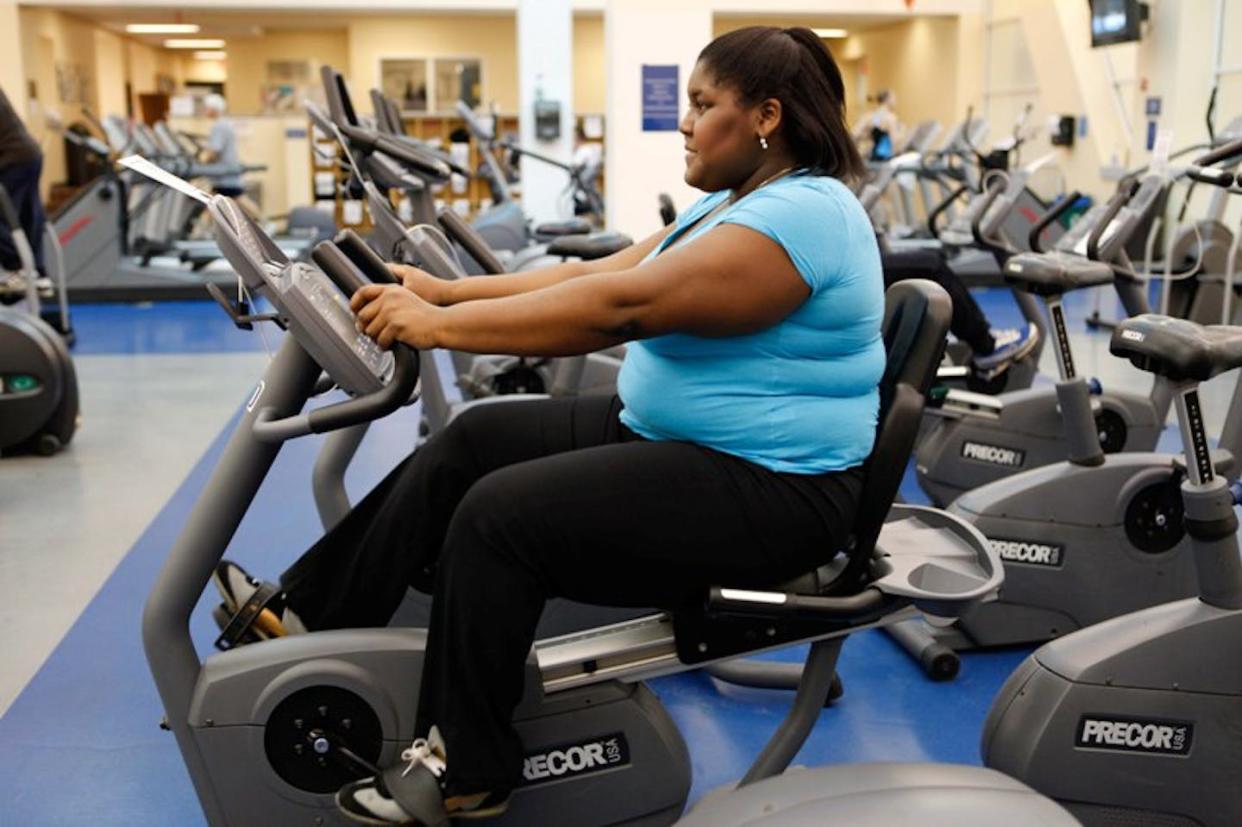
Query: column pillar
x=639, y=165
x=545, y=71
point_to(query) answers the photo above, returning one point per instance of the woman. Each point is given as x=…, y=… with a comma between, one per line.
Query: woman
x=747, y=404
x=880, y=126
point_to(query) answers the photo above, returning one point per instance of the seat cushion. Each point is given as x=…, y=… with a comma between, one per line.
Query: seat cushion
x=1055, y=272
x=556, y=229
x=1176, y=348
x=589, y=247
x=881, y=795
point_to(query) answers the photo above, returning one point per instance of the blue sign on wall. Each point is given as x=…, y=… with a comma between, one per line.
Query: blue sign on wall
x=660, y=93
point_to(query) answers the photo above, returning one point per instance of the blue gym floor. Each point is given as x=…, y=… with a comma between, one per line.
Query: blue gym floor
x=81, y=743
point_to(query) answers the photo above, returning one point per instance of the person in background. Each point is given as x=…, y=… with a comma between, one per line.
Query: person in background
x=222, y=149
x=880, y=126
x=21, y=163
x=589, y=156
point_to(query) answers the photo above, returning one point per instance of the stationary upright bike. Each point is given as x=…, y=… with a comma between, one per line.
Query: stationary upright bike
x=1138, y=720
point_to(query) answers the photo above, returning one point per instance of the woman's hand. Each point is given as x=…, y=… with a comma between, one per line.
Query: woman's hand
x=421, y=283
x=388, y=314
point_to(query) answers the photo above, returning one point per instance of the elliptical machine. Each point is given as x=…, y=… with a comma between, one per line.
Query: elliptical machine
x=38, y=384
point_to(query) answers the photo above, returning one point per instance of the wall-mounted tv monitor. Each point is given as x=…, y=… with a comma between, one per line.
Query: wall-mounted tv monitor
x=1116, y=21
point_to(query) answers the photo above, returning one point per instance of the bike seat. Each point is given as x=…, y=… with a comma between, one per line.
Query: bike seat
x=1176, y=348
x=589, y=247
x=1055, y=272
x=556, y=229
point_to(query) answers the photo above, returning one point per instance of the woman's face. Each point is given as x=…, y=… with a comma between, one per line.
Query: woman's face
x=722, y=146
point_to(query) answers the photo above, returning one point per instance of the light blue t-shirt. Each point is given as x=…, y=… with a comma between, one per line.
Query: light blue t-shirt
x=801, y=396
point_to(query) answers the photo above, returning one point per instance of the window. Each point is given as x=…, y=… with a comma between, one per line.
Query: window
x=432, y=84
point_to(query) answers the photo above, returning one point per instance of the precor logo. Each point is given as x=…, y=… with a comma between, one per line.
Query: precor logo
x=1135, y=735
x=993, y=454
x=1025, y=551
x=580, y=758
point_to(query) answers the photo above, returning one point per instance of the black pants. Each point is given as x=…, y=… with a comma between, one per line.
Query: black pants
x=968, y=323
x=22, y=182
x=513, y=504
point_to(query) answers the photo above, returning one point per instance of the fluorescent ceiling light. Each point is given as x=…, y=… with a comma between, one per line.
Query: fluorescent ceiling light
x=162, y=28
x=193, y=43
x=210, y=55
x=831, y=34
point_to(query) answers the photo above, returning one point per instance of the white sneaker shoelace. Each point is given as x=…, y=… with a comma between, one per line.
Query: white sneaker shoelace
x=427, y=752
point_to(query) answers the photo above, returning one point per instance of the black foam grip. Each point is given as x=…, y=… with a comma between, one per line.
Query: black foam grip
x=364, y=257
x=458, y=230
x=1228, y=152
x=338, y=267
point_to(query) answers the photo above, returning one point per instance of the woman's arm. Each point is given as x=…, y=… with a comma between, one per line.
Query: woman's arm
x=730, y=281
x=444, y=292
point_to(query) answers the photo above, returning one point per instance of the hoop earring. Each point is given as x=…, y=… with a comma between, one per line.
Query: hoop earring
x=763, y=142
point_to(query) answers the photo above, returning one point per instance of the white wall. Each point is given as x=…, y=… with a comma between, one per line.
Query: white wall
x=545, y=68
x=642, y=164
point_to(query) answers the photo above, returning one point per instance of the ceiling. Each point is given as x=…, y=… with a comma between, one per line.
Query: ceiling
x=254, y=22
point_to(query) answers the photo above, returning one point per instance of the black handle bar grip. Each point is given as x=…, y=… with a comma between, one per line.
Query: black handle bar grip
x=976, y=224
x=1211, y=175
x=416, y=159
x=373, y=406
x=1045, y=221
x=419, y=160
x=339, y=268
x=364, y=258
x=1115, y=205
x=456, y=228
x=935, y=214
x=7, y=210
x=1228, y=152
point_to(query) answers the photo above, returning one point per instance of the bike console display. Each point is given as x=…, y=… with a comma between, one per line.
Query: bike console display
x=317, y=311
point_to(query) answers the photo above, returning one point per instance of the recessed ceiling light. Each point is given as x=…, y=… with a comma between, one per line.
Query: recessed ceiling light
x=193, y=43
x=831, y=34
x=162, y=28
x=210, y=55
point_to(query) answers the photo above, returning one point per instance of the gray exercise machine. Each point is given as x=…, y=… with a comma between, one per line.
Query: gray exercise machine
x=979, y=438
x=1087, y=539
x=38, y=383
x=1209, y=296
x=268, y=732
x=1138, y=720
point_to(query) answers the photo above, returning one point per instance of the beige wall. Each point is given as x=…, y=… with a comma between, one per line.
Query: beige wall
x=245, y=70
x=53, y=41
x=917, y=57
x=590, y=65
x=204, y=71
x=493, y=38
x=110, y=72
x=12, y=72
x=918, y=60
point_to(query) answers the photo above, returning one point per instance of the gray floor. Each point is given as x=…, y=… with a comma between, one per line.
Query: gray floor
x=66, y=521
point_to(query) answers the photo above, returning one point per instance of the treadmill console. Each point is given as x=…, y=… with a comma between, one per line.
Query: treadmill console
x=317, y=311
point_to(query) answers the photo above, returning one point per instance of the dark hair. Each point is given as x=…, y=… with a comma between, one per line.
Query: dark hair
x=791, y=65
